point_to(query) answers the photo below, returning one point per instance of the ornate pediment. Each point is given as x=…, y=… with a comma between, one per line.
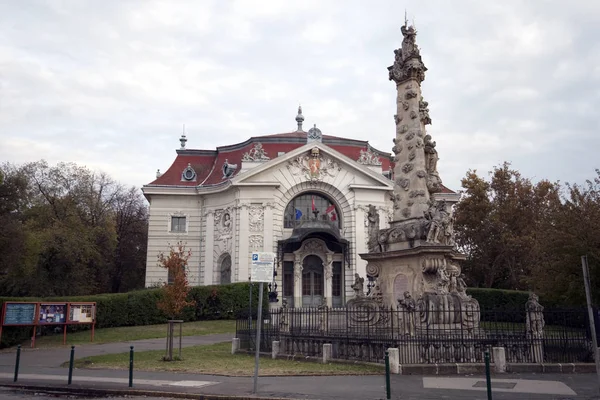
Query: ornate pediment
x=314, y=166
x=367, y=157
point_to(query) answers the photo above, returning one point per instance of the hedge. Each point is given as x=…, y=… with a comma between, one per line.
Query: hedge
x=139, y=308
x=499, y=299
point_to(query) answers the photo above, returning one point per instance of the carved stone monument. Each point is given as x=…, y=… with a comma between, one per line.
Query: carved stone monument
x=417, y=250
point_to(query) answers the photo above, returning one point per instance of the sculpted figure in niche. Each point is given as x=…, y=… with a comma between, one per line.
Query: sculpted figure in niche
x=431, y=155
x=373, y=229
x=358, y=286
x=535, y=316
x=407, y=307
x=226, y=222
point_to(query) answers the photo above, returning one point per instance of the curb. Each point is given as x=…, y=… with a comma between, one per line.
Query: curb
x=465, y=369
x=130, y=392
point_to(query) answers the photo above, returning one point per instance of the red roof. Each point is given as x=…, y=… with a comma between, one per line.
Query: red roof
x=208, y=163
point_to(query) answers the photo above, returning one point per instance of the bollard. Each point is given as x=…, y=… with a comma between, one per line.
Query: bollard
x=130, y=366
x=17, y=363
x=487, y=375
x=388, y=392
x=71, y=365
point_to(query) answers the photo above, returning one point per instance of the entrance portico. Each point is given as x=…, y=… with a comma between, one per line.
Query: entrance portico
x=313, y=274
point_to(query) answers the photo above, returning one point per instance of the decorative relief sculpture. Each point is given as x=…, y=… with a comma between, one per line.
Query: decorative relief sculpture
x=223, y=227
x=256, y=216
x=424, y=112
x=257, y=153
x=256, y=242
x=367, y=157
x=314, y=167
x=410, y=94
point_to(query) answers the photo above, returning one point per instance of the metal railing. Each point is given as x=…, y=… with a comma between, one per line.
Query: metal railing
x=365, y=334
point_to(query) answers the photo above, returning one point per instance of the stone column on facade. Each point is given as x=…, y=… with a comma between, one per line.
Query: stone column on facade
x=209, y=252
x=297, y=282
x=328, y=267
x=243, y=255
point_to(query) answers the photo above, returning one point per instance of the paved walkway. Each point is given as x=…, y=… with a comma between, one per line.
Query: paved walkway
x=41, y=367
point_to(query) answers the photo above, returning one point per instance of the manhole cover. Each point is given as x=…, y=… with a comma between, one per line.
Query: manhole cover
x=497, y=385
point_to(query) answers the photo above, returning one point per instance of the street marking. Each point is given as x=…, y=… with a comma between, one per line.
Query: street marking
x=500, y=385
x=196, y=384
x=82, y=379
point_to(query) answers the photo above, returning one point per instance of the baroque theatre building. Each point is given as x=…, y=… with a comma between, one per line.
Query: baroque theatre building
x=301, y=195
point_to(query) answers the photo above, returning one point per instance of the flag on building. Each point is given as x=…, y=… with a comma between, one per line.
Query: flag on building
x=313, y=203
x=330, y=211
x=298, y=214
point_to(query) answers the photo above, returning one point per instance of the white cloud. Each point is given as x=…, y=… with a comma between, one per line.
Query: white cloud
x=109, y=84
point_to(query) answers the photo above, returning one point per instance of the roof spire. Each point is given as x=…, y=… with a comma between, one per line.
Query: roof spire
x=299, y=119
x=183, y=138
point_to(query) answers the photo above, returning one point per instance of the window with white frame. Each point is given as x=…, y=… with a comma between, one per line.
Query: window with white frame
x=178, y=224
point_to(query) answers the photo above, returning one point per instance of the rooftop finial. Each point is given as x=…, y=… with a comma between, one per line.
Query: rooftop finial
x=183, y=138
x=299, y=119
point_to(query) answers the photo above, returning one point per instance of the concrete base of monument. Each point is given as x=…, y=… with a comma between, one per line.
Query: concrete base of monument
x=405, y=270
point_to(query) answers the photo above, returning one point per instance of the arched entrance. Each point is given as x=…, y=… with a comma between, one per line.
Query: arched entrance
x=313, y=281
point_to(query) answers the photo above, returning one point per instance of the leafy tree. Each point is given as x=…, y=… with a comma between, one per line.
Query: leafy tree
x=573, y=231
x=175, y=292
x=68, y=230
x=498, y=226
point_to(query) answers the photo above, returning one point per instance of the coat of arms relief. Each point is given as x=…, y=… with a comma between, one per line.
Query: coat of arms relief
x=314, y=167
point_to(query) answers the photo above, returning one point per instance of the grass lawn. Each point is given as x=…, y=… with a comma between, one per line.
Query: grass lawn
x=217, y=360
x=126, y=333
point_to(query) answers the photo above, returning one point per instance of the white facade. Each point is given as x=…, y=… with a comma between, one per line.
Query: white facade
x=245, y=213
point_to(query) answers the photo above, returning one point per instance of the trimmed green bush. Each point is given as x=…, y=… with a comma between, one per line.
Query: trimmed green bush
x=499, y=299
x=139, y=308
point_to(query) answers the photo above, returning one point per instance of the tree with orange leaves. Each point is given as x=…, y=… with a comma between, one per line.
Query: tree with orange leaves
x=175, y=291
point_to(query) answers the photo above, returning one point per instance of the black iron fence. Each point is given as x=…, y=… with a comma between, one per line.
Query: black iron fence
x=556, y=336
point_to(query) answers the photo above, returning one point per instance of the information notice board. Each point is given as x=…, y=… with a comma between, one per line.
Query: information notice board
x=19, y=314
x=36, y=314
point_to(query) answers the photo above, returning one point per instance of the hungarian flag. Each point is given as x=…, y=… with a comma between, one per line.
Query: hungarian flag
x=313, y=203
x=330, y=211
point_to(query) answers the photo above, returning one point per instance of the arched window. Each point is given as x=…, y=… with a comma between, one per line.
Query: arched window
x=310, y=206
x=225, y=268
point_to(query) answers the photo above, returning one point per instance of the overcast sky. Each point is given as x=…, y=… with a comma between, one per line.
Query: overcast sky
x=109, y=84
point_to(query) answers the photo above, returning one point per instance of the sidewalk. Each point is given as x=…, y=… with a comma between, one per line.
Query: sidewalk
x=41, y=368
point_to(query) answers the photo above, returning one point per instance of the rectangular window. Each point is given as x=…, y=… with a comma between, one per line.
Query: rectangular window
x=288, y=279
x=336, y=279
x=177, y=224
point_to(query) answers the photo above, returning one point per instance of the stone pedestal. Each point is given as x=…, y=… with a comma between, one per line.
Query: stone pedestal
x=402, y=270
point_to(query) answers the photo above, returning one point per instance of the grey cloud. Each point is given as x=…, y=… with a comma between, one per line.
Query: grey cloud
x=110, y=83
